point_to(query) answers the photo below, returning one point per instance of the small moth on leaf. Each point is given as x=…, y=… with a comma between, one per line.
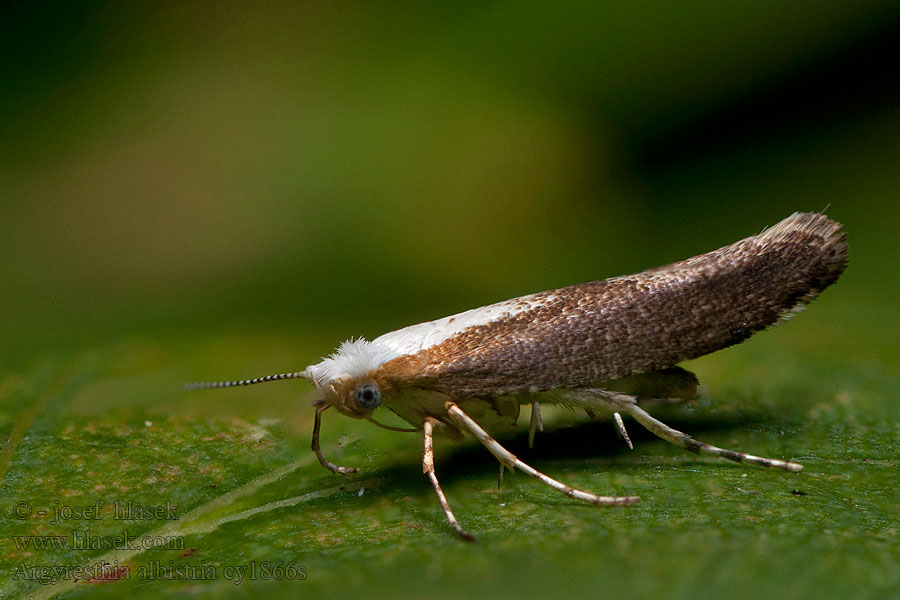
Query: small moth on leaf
x=607, y=347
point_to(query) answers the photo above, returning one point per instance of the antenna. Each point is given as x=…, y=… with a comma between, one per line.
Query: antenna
x=208, y=385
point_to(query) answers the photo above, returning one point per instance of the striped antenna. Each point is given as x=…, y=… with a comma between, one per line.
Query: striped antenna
x=209, y=385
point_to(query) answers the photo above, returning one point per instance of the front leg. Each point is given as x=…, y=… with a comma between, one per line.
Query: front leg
x=315, y=446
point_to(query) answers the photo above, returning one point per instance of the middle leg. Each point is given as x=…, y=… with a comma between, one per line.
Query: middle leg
x=509, y=460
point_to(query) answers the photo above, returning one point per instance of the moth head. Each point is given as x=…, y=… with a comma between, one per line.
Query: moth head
x=355, y=397
x=349, y=379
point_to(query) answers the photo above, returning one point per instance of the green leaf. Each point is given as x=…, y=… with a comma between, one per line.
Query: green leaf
x=251, y=500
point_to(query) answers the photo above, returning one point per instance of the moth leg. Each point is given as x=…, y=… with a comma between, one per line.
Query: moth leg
x=627, y=404
x=428, y=469
x=537, y=423
x=315, y=447
x=508, y=459
x=500, y=479
x=620, y=428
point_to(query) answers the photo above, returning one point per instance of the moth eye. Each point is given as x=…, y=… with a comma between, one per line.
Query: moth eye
x=368, y=396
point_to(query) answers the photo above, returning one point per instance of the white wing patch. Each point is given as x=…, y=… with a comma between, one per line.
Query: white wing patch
x=357, y=357
x=415, y=338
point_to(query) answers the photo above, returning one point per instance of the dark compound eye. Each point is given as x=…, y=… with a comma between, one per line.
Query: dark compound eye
x=368, y=396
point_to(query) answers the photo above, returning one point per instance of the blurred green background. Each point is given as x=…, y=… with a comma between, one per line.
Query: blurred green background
x=223, y=190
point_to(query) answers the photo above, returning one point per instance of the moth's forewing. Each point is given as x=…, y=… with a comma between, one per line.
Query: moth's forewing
x=574, y=337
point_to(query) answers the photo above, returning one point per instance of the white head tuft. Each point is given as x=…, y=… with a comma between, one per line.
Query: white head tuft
x=353, y=358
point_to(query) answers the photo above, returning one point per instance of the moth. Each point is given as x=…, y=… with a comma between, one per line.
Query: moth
x=606, y=347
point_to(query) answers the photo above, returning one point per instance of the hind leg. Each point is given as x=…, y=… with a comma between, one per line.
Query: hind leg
x=618, y=402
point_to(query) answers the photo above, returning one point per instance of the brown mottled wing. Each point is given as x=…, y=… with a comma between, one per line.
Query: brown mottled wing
x=644, y=322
